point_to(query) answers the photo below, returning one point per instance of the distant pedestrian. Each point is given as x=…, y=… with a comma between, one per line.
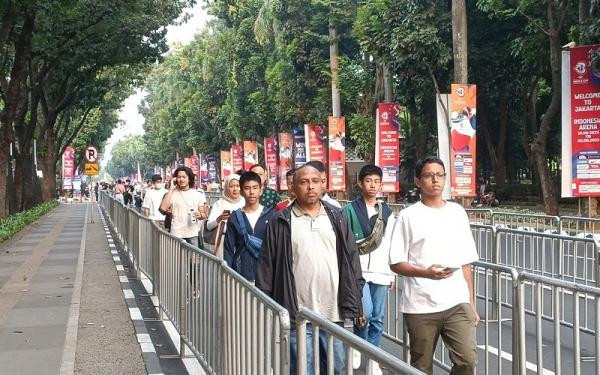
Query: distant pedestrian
x=120, y=191
x=246, y=228
x=153, y=198
x=269, y=197
x=185, y=205
x=310, y=260
x=289, y=177
x=433, y=248
x=323, y=173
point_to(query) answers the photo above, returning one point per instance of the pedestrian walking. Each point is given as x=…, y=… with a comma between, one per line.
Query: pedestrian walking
x=309, y=260
x=269, y=197
x=186, y=206
x=119, y=191
x=289, y=177
x=372, y=223
x=246, y=228
x=433, y=248
x=153, y=198
x=323, y=173
x=220, y=213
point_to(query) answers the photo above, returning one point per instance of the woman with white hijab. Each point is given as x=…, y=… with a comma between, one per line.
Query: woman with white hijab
x=220, y=211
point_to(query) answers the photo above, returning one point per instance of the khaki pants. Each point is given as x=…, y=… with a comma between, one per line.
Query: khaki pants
x=457, y=328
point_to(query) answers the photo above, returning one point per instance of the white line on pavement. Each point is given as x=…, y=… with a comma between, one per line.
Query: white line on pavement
x=507, y=356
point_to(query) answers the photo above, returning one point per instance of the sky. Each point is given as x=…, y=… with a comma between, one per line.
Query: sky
x=130, y=117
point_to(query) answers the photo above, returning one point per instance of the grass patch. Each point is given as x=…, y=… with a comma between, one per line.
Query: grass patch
x=14, y=223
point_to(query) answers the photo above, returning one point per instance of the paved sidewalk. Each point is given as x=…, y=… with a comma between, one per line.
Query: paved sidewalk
x=62, y=309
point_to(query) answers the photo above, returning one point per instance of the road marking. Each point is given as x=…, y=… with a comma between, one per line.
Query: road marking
x=135, y=313
x=123, y=279
x=67, y=365
x=147, y=347
x=128, y=293
x=507, y=356
x=120, y=267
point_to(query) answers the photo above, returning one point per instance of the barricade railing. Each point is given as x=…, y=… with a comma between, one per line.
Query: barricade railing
x=531, y=222
x=480, y=215
x=580, y=226
x=351, y=343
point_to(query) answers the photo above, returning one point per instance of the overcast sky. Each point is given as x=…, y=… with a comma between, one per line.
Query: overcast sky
x=129, y=115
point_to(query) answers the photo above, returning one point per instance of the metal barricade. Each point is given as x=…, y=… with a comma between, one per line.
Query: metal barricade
x=485, y=241
x=529, y=222
x=481, y=216
x=551, y=312
x=580, y=226
x=351, y=342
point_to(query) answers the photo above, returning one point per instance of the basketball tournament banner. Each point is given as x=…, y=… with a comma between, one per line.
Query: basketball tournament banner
x=195, y=167
x=299, y=146
x=68, y=167
x=337, y=153
x=315, y=143
x=285, y=158
x=211, y=167
x=250, y=154
x=203, y=170
x=463, y=140
x=387, y=146
x=271, y=162
x=237, y=158
x=225, y=164
x=585, y=120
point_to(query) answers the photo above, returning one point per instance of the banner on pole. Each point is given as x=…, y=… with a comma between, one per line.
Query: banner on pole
x=285, y=158
x=337, y=153
x=237, y=158
x=195, y=167
x=463, y=140
x=250, y=154
x=225, y=164
x=585, y=120
x=271, y=162
x=299, y=146
x=203, y=170
x=315, y=143
x=68, y=168
x=211, y=167
x=387, y=146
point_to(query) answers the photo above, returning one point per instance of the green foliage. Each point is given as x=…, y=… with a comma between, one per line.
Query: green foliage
x=11, y=225
x=126, y=154
x=362, y=129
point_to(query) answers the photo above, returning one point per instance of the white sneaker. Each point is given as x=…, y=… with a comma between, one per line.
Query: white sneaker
x=355, y=359
x=375, y=369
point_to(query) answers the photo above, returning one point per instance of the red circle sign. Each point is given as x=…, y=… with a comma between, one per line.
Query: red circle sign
x=91, y=154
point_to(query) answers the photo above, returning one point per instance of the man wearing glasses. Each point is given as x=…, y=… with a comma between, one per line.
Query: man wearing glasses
x=432, y=247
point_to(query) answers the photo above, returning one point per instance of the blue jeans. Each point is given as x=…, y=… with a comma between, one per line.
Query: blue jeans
x=374, y=297
x=339, y=353
x=192, y=240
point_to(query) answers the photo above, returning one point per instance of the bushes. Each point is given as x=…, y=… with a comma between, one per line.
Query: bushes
x=14, y=223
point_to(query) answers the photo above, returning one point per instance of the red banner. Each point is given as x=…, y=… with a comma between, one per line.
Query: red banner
x=168, y=173
x=195, y=167
x=68, y=168
x=285, y=158
x=585, y=120
x=271, y=161
x=225, y=164
x=315, y=143
x=250, y=154
x=337, y=153
x=463, y=144
x=387, y=146
x=237, y=158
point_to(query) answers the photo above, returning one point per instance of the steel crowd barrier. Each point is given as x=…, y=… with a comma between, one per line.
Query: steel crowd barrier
x=480, y=215
x=531, y=222
x=580, y=226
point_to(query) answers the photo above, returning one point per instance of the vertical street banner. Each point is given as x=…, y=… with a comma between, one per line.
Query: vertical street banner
x=250, y=154
x=585, y=120
x=168, y=173
x=387, y=146
x=237, y=158
x=285, y=158
x=211, y=168
x=315, y=143
x=463, y=140
x=187, y=162
x=299, y=146
x=203, y=170
x=337, y=153
x=68, y=168
x=271, y=162
x=195, y=167
x=225, y=164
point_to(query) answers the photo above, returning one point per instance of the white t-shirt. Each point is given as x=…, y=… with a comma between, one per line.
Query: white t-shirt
x=424, y=236
x=152, y=200
x=182, y=204
x=331, y=201
x=376, y=265
x=253, y=216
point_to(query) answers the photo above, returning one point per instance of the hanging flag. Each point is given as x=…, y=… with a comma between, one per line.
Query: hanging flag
x=225, y=164
x=237, y=158
x=387, y=146
x=250, y=154
x=285, y=158
x=271, y=161
x=463, y=140
x=299, y=146
x=315, y=143
x=337, y=153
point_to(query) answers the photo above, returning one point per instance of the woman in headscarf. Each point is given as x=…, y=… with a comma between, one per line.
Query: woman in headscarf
x=220, y=211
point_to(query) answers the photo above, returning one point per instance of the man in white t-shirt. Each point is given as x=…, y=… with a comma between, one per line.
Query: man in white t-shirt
x=186, y=206
x=152, y=199
x=432, y=247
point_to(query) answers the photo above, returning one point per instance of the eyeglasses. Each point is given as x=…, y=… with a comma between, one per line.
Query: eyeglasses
x=430, y=176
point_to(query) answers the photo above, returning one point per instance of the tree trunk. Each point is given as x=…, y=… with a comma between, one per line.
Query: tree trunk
x=334, y=56
x=500, y=162
x=584, y=10
x=459, y=41
x=387, y=84
x=48, y=164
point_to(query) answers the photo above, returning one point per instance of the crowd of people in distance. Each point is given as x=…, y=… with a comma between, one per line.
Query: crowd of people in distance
x=305, y=251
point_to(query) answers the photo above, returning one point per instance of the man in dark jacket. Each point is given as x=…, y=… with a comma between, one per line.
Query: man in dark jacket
x=309, y=260
x=241, y=252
